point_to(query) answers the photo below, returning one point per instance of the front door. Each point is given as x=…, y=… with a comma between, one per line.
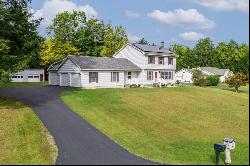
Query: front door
x=156, y=76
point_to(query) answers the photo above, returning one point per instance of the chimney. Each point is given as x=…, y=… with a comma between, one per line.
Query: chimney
x=162, y=45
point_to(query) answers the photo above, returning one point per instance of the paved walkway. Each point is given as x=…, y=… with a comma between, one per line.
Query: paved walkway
x=77, y=141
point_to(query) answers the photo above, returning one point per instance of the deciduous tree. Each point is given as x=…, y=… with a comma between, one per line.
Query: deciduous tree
x=236, y=80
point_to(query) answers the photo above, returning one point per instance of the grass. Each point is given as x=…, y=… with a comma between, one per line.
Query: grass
x=23, y=138
x=242, y=89
x=19, y=84
x=168, y=125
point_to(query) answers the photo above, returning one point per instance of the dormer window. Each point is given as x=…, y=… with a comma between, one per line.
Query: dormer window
x=161, y=60
x=151, y=60
x=170, y=60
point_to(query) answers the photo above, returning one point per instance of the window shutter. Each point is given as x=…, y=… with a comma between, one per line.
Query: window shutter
x=117, y=76
x=111, y=79
x=96, y=77
x=89, y=77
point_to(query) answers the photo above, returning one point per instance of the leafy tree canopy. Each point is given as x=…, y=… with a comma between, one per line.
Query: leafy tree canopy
x=19, y=39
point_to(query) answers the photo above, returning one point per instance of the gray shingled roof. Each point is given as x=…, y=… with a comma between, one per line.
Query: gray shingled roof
x=55, y=66
x=155, y=49
x=104, y=63
x=215, y=70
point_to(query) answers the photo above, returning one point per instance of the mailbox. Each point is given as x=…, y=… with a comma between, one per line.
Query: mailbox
x=219, y=147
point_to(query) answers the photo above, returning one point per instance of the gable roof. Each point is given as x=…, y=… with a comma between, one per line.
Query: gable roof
x=98, y=63
x=153, y=49
x=215, y=70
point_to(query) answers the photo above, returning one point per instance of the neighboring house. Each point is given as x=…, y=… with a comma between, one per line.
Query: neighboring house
x=134, y=63
x=185, y=75
x=222, y=73
x=28, y=75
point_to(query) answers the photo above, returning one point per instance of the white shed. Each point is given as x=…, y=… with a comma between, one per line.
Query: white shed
x=184, y=76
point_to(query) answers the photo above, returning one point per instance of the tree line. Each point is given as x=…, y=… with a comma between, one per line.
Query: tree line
x=225, y=55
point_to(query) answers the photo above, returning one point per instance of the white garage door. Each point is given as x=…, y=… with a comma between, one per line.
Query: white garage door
x=53, y=79
x=75, y=80
x=33, y=78
x=65, y=79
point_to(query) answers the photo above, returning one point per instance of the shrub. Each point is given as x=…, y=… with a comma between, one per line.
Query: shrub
x=198, y=78
x=213, y=80
x=5, y=76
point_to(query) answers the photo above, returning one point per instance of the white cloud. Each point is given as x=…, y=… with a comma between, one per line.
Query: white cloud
x=52, y=7
x=190, y=18
x=133, y=38
x=225, y=5
x=191, y=36
x=130, y=13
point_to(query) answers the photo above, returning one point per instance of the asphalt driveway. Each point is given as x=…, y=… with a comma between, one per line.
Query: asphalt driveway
x=77, y=141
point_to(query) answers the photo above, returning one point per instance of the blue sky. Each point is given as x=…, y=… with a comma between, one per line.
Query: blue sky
x=171, y=21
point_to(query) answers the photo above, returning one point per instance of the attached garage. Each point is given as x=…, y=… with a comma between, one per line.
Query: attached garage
x=64, y=79
x=53, y=78
x=75, y=80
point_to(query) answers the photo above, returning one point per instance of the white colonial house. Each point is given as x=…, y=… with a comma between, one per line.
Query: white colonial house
x=134, y=64
x=185, y=75
x=28, y=75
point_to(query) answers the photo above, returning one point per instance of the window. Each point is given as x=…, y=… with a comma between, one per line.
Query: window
x=30, y=76
x=150, y=75
x=129, y=75
x=36, y=76
x=114, y=76
x=93, y=77
x=161, y=60
x=167, y=75
x=151, y=60
x=21, y=76
x=170, y=60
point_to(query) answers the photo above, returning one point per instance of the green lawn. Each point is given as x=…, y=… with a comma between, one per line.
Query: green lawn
x=19, y=84
x=168, y=125
x=242, y=89
x=23, y=138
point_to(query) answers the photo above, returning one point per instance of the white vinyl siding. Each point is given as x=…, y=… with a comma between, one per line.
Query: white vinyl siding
x=133, y=55
x=69, y=67
x=104, y=80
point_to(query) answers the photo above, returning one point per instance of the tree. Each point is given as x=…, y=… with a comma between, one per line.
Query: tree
x=54, y=50
x=236, y=80
x=198, y=78
x=90, y=36
x=184, y=58
x=203, y=53
x=233, y=56
x=114, y=39
x=18, y=35
x=143, y=41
